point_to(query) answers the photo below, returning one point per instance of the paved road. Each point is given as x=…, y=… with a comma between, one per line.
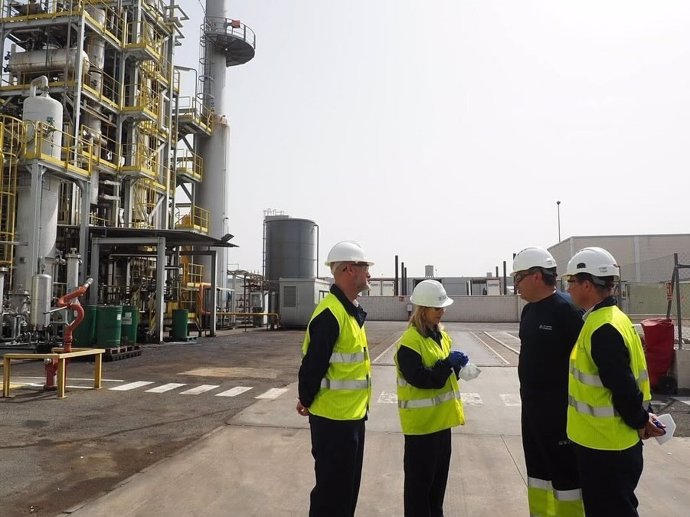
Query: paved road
x=213, y=425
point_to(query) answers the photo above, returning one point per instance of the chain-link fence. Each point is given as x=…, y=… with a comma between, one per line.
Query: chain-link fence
x=648, y=287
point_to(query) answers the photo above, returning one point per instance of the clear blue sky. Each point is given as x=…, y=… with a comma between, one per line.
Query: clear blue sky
x=445, y=131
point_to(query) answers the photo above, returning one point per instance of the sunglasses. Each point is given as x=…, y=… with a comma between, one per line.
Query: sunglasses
x=519, y=277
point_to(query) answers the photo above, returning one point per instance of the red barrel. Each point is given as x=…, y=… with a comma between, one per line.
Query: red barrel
x=659, y=338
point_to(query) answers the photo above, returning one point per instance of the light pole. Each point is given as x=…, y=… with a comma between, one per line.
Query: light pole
x=558, y=210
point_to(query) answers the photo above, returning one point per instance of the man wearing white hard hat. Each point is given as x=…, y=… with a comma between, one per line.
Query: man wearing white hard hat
x=608, y=391
x=335, y=384
x=549, y=326
x=429, y=401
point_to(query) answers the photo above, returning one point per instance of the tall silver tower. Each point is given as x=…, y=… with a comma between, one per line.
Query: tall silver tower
x=224, y=43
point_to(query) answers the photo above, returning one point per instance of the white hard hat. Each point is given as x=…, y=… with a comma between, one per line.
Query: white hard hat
x=430, y=293
x=595, y=261
x=347, y=251
x=532, y=257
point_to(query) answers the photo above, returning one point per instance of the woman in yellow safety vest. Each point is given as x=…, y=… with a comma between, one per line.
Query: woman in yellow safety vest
x=428, y=400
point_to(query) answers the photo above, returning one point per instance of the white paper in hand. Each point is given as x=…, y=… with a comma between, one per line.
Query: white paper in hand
x=667, y=420
x=469, y=371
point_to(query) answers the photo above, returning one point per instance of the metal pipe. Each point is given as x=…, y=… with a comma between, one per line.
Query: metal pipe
x=71, y=301
x=396, y=284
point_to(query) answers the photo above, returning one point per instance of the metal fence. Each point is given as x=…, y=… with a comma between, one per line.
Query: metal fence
x=658, y=287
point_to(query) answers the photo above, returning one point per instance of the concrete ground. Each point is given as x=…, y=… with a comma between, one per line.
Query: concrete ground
x=144, y=451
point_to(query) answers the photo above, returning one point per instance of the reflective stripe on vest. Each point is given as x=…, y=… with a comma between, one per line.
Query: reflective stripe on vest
x=422, y=410
x=595, y=380
x=345, y=389
x=592, y=419
x=345, y=385
x=348, y=358
x=434, y=401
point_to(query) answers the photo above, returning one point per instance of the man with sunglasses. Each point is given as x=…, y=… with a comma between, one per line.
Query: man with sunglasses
x=608, y=391
x=549, y=326
x=335, y=384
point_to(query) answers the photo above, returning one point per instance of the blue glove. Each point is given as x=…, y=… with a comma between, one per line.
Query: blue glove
x=458, y=359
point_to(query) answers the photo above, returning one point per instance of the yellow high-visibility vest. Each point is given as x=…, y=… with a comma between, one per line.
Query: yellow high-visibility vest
x=592, y=420
x=426, y=411
x=346, y=388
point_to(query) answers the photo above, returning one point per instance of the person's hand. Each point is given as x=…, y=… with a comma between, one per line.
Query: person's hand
x=652, y=428
x=301, y=410
x=458, y=359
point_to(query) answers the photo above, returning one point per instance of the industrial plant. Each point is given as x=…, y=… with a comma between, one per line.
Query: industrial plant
x=111, y=173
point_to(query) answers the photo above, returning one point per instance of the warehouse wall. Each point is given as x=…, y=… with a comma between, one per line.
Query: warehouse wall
x=485, y=309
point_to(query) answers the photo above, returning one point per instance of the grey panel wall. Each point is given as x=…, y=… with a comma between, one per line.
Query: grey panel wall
x=631, y=252
x=487, y=309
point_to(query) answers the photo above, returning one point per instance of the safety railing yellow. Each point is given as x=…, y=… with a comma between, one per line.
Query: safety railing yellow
x=158, y=69
x=112, y=24
x=192, y=217
x=144, y=36
x=192, y=110
x=46, y=143
x=192, y=274
x=15, y=11
x=140, y=98
x=12, y=137
x=139, y=159
x=105, y=151
x=107, y=93
x=190, y=164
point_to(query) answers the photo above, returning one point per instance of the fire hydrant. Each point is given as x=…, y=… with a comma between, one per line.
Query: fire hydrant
x=51, y=368
x=70, y=300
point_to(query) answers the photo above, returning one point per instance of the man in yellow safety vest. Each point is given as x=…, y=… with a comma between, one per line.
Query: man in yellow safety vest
x=335, y=384
x=608, y=391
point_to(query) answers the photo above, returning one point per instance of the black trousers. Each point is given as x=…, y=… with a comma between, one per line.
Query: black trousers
x=609, y=479
x=548, y=452
x=427, y=460
x=338, y=450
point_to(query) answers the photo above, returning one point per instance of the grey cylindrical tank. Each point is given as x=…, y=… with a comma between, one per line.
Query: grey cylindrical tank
x=290, y=248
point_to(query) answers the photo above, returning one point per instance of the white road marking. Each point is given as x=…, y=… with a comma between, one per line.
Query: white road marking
x=511, y=399
x=489, y=347
x=165, y=387
x=237, y=390
x=385, y=351
x=88, y=379
x=200, y=389
x=131, y=386
x=273, y=393
x=388, y=397
x=515, y=351
x=471, y=399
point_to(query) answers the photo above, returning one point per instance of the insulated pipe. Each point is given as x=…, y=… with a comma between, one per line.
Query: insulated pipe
x=71, y=300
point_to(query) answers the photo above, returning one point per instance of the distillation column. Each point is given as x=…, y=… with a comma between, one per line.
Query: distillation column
x=225, y=43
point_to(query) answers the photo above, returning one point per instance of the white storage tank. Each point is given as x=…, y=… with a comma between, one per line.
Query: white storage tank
x=47, y=60
x=41, y=294
x=43, y=108
x=38, y=108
